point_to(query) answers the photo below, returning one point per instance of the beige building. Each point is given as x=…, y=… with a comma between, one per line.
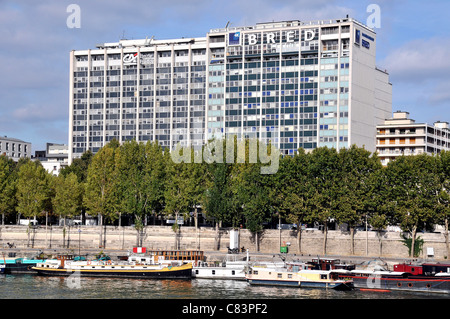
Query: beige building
x=401, y=135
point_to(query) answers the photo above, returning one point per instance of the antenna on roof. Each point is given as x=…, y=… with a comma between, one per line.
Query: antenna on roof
x=228, y=23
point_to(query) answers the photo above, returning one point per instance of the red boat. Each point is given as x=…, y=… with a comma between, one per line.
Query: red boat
x=427, y=277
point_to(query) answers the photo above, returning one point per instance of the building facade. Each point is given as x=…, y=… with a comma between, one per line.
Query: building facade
x=54, y=158
x=297, y=84
x=14, y=148
x=401, y=135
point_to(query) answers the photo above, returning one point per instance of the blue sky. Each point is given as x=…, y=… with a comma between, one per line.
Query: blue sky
x=413, y=45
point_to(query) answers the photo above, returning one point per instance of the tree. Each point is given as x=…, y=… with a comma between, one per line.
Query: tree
x=413, y=185
x=324, y=174
x=67, y=200
x=443, y=205
x=219, y=200
x=253, y=188
x=136, y=171
x=354, y=186
x=176, y=192
x=101, y=194
x=156, y=172
x=32, y=190
x=292, y=191
x=8, y=177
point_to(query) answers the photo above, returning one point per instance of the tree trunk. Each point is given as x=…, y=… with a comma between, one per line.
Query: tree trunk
x=100, y=239
x=446, y=238
x=352, y=240
x=217, y=242
x=299, y=236
x=325, y=234
x=413, y=241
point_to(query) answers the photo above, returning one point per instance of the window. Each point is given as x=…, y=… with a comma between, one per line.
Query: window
x=412, y=140
x=279, y=275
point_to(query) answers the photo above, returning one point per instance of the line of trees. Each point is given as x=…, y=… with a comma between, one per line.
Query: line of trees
x=349, y=186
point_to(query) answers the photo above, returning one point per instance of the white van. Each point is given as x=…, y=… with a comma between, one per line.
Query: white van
x=26, y=222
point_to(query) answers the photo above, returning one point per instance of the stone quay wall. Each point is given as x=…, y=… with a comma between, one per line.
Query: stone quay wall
x=372, y=244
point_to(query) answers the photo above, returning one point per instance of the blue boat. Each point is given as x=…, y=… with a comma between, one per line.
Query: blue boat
x=24, y=265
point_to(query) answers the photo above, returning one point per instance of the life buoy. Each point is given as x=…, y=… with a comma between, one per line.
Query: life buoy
x=29, y=268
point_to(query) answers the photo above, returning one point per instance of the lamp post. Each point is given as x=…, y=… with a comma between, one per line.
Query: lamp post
x=79, y=242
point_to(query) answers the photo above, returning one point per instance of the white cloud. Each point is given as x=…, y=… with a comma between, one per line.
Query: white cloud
x=419, y=60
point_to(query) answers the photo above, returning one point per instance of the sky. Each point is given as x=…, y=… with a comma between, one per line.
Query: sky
x=413, y=45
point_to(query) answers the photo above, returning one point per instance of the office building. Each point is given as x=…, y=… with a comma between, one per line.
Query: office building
x=298, y=84
x=401, y=135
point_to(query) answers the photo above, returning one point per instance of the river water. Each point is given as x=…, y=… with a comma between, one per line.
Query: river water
x=26, y=286
x=196, y=298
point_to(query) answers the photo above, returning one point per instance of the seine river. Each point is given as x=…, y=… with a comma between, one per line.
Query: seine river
x=179, y=296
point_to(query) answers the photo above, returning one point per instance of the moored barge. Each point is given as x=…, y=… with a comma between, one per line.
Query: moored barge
x=299, y=276
x=141, y=267
x=427, y=277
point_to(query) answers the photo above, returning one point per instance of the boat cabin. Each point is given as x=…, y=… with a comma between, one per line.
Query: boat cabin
x=177, y=255
x=409, y=268
x=329, y=264
x=434, y=269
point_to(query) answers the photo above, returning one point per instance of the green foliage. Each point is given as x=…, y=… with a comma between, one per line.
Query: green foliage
x=418, y=245
x=138, y=179
x=67, y=199
x=32, y=189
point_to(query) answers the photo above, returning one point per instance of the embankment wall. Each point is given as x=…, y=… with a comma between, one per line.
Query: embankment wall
x=387, y=244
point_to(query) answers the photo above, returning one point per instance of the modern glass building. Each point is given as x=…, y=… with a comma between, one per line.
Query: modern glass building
x=299, y=84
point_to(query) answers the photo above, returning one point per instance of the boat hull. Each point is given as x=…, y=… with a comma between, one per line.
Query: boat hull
x=418, y=284
x=218, y=273
x=301, y=284
x=24, y=267
x=177, y=272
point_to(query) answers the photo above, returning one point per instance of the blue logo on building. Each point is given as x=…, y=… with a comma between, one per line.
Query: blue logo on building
x=234, y=38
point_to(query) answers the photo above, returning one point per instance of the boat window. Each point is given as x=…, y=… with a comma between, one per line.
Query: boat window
x=233, y=272
x=196, y=271
x=279, y=275
x=290, y=276
x=213, y=272
x=255, y=272
x=323, y=276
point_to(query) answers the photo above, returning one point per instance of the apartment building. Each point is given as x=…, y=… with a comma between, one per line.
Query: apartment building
x=401, y=135
x=14, y=148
